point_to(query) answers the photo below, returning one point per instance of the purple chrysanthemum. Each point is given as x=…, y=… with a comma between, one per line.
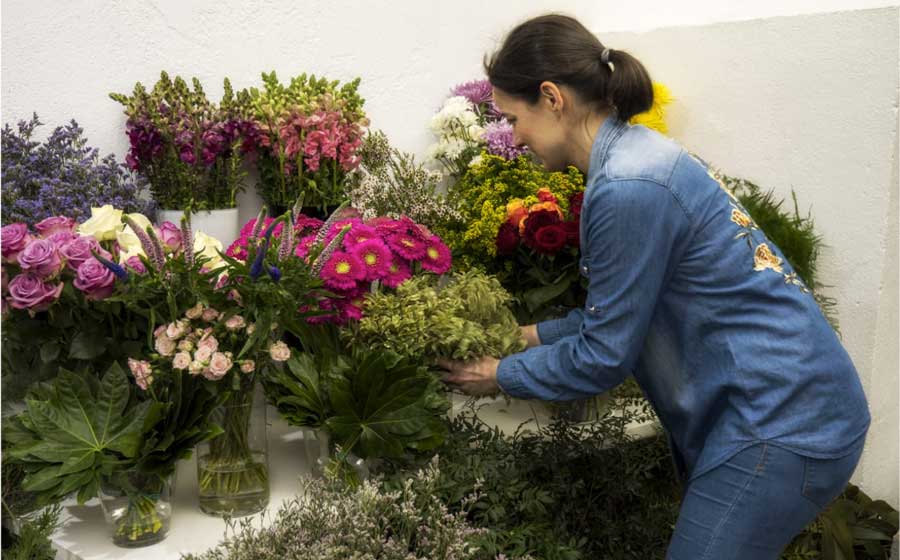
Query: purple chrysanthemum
x=500, y=140
x=480, y=93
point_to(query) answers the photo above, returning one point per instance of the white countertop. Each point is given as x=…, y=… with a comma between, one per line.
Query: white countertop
x=84, y=534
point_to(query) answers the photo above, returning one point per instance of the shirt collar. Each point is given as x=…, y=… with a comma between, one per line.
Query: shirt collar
x=611, y=129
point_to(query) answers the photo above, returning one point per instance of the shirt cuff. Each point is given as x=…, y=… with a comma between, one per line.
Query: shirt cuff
x=509, y=378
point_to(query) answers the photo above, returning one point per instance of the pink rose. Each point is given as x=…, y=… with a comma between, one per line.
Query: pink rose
x=165, y=346
x=209, y=341
x=79, y=250
x=185, y=345
x=210, y=315
x=235, y=322
x=55, y=224
x=248, y=366
x=13, y=239
x=41, y=257
x=219, y=365
x=95, y=280
x=177, y=329
x=60, y=238
x=194, y=312
x=203, y=355
x=170, y=235
x=182, y=360
x=195, y=367
x=142, y=372
x=29, y=291
x=135, y=263
x=279, y=351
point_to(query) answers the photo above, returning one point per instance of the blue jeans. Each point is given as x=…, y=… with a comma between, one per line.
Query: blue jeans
x=752, y=506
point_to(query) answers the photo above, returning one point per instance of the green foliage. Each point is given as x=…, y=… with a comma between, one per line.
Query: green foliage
x=332, y=521
x=32, y=541
x=853, y=527
x=564, y=491
x=75, y=431
x=374, y=404
x=465, y=319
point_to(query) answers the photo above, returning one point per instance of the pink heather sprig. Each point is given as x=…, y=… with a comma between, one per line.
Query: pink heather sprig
x=187, y=240
x=146, y=243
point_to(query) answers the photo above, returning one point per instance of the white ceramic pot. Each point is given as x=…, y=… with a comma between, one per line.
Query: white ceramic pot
x=224, y=225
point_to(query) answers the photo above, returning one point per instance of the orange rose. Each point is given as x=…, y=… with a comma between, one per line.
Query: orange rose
x=516, y=212
x=544, y=195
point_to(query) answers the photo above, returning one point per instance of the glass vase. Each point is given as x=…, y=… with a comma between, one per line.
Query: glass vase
x=329, y=461
x=137, y=507
x=233, y=467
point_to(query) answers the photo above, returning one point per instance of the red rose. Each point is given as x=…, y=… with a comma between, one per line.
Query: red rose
x=572, y=233
x=536, y=221
x=507, y=239
x=575, y=203
x=550, y=239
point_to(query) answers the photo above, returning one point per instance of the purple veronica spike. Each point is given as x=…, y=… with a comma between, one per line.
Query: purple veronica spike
x=274, y=273
x=287, y=239
x=146, y=242
x=187, y=240
x=257, y=226
x=329, y=250
x=323, y=231
x=157, y=245
x=116, y=269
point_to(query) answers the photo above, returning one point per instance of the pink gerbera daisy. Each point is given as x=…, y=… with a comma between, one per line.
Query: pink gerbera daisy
x=375, y=256
x=359, y=233
x=304, y=245
x=407, y=246
x=342, y=271
x=398, y=273
x=437, y=257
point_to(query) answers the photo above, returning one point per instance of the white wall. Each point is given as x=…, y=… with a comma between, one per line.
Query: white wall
x=779, y=92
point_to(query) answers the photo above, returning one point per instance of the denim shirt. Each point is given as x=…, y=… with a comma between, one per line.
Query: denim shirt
x=687, y=294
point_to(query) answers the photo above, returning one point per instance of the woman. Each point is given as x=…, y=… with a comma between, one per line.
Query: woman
x=764, y=408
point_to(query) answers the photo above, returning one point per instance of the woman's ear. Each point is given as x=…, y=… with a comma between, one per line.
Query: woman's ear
x=551, y=96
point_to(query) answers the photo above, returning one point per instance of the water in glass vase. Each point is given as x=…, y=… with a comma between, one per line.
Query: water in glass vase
x=233, y=467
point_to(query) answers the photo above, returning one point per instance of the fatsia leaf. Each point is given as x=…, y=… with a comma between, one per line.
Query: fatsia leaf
x=75, y=431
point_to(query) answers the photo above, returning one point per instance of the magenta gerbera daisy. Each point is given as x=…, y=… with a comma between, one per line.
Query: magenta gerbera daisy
x=359, y=233
x=397, y=274
x=375, y=256
x=304, y=245
x=437, y=257
x=342, y=271
x=407, y=246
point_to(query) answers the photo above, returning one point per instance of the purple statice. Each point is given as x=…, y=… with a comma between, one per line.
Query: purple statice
x=499, y=139
x=481, y=94
x=62, y=176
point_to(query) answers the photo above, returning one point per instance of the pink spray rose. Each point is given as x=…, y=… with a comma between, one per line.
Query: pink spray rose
x=55, y=224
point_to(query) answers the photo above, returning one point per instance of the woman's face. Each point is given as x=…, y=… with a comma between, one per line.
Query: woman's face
x=538, y=126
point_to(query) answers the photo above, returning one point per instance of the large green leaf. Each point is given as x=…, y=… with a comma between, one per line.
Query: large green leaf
x=297, y=391
x=384, y=405
x=73, y=430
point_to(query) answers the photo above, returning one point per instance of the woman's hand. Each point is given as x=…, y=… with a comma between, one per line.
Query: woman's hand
x=477, y=378
x=530, y=334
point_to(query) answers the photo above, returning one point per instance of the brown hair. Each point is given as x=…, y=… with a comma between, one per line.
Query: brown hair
x=561, y=50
